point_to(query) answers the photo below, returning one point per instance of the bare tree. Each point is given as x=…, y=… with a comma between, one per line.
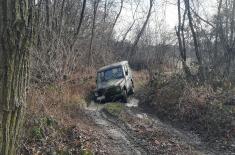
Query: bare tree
x=81, y=17
x=105, y=10
x=181, y=39
x=61, y=16
x=132, y=51
x=133, y=23
x=116, y=18
x=15, y=37
x=47, y=16
x=225, y=26
x=95, y=8
x=79, y=24
x=195, y=40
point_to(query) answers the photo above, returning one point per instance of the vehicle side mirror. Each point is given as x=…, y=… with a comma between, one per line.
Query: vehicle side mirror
x=126, y=72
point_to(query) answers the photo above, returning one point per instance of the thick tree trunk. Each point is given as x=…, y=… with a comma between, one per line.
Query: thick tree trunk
x=15, y=37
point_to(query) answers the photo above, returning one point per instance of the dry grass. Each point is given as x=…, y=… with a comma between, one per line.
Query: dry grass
x=62, y=99
x=201, y=107
x=61, y=102
x=141, y=78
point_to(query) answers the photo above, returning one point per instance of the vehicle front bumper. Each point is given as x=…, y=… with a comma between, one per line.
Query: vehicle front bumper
x=108, y=94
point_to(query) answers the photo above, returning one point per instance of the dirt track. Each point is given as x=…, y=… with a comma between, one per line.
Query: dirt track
x=119, y=140
x=135, y=136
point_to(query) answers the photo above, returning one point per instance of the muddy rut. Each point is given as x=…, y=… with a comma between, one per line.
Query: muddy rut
x=123, y=140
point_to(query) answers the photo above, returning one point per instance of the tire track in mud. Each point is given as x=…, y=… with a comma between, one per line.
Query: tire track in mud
x=140, y=144
x=125, y=142
x=122, y=143
x=183, y=137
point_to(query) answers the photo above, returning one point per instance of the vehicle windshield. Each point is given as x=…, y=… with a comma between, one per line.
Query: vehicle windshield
x=110, y=74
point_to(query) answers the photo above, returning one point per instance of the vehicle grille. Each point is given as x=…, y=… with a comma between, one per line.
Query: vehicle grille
x=107, y=92
x=101, y=92
x=111, y=92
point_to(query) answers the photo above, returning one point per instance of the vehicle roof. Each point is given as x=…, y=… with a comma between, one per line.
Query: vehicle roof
x=113, y=65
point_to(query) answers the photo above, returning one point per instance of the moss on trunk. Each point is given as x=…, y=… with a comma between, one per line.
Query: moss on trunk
x=15, y=37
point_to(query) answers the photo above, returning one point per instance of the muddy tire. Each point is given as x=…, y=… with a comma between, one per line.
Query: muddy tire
x=125, y=96
x=95, y=100
x=132, y=90
x=98, y=101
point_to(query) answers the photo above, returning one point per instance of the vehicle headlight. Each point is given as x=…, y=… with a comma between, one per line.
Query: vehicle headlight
x=96, y=94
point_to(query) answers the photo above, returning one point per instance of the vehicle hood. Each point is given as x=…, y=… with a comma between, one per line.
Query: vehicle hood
x=107, y=84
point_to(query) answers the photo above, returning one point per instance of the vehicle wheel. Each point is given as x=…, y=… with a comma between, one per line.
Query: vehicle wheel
x=125, y=96
x=96, y=100
x=132, y=90
x=99, y=101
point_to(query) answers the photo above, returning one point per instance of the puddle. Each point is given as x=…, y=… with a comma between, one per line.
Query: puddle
x=101, y=122
x=117, y=134
x=133, y=103
x=142, y=116
x=94, y=106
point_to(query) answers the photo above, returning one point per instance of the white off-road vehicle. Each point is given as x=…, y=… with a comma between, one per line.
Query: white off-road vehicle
x=114, y=82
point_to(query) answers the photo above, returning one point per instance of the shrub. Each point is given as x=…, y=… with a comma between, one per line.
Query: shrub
x=199, y=106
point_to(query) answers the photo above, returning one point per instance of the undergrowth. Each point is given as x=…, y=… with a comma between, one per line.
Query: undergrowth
x=52, y=115
x=201, y=107
x=47, y=136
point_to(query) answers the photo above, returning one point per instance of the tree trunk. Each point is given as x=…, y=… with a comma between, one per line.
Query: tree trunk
x=47, y=16
x=116, y=18
x=16, y=38
x=131, y=26
x=201, y=71
x=79, y=24
x=181, y=40
x=105, y=11
x=132, y=52
x=218, y=20
x=90, y=60
x=127, y=32
x=61, y=17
